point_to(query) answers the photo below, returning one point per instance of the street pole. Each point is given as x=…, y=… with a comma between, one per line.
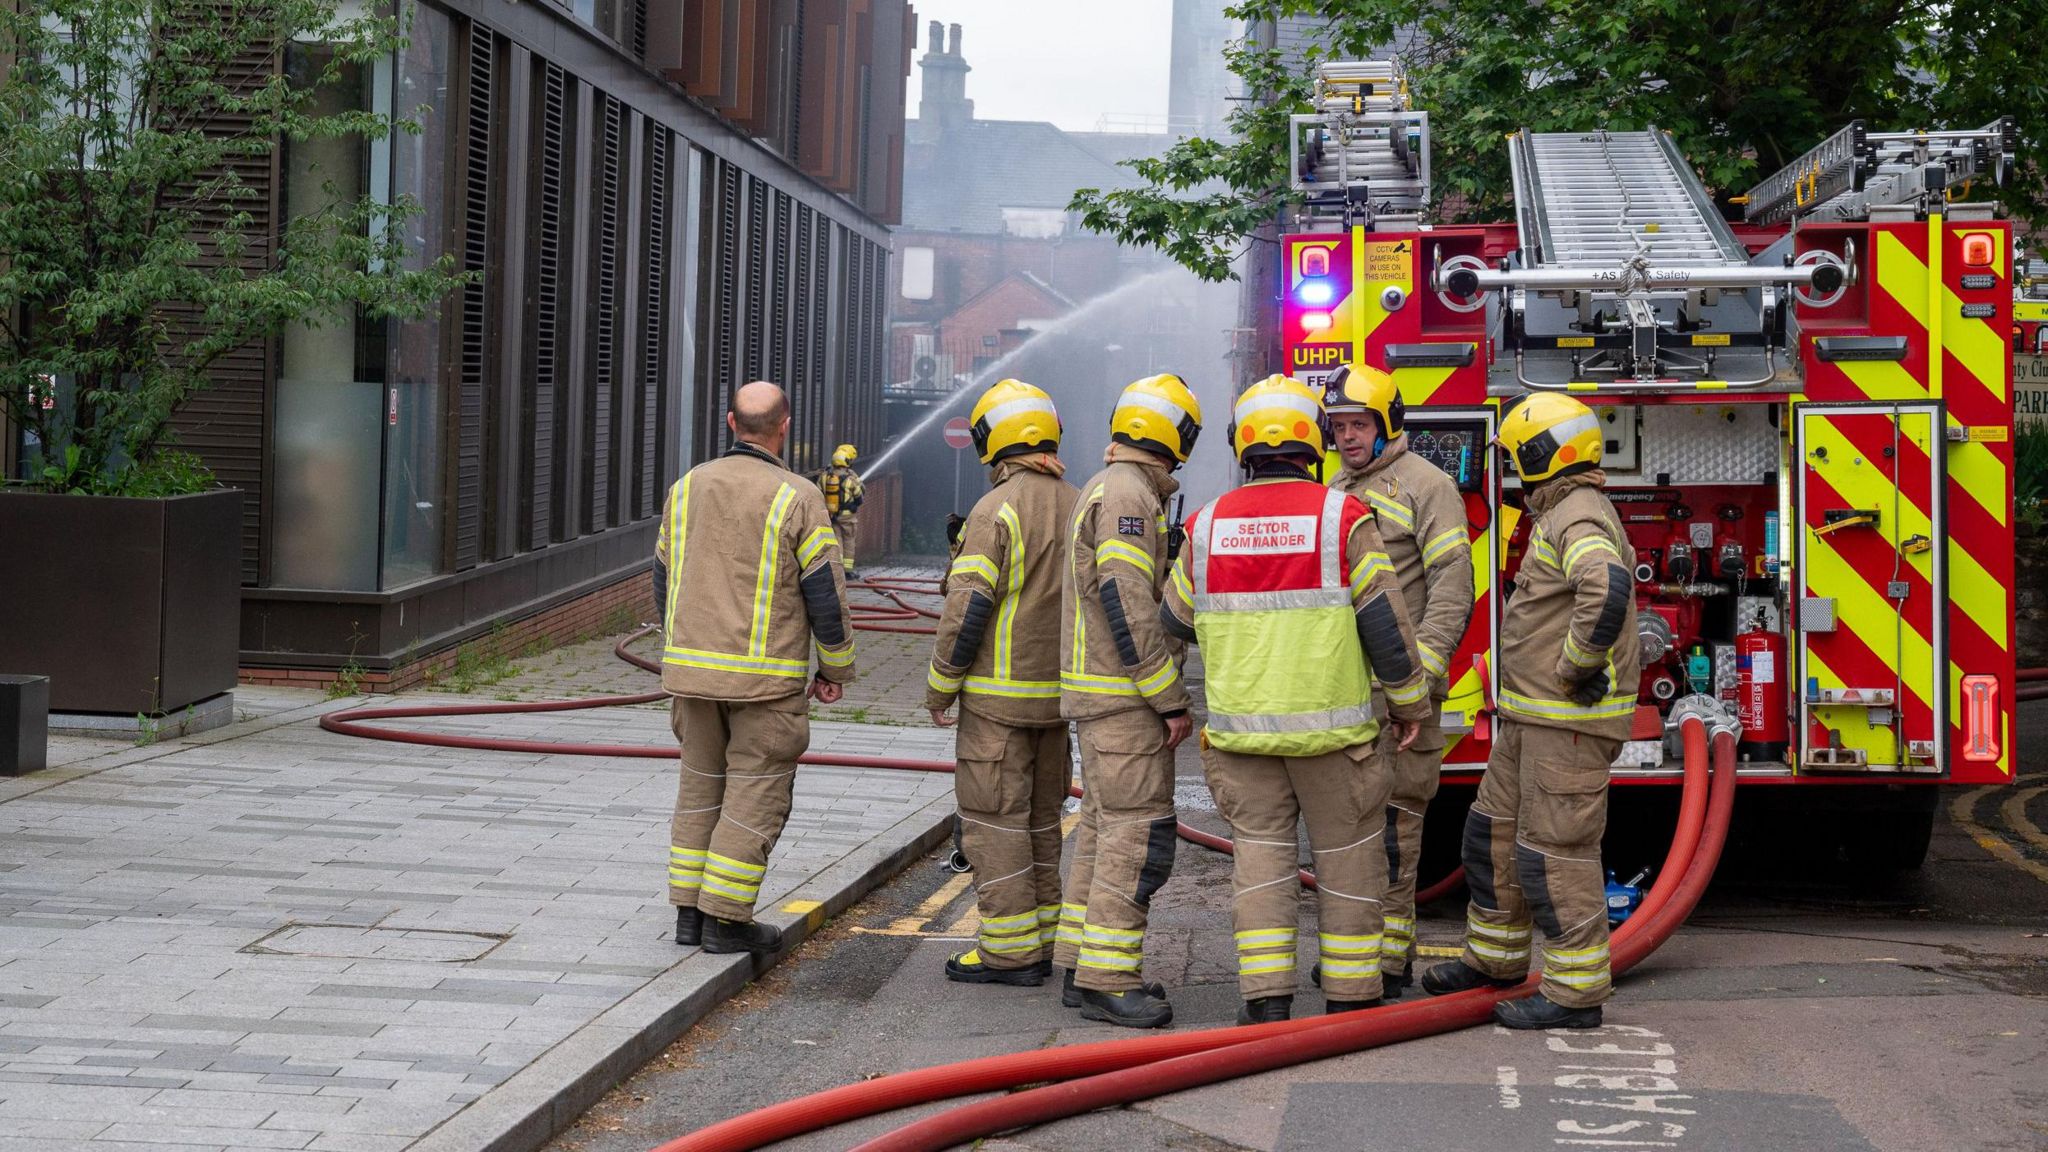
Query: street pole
x=956, y=481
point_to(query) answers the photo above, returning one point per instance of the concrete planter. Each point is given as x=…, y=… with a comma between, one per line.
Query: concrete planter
x=128, y=606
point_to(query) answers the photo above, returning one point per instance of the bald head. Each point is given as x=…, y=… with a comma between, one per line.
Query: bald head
x=760, y=415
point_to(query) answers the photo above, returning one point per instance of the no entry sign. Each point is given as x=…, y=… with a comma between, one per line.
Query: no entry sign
x=958, y=434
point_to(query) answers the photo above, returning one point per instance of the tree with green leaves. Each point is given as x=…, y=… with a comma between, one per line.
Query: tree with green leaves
x=1744, y=88
x=134, y=253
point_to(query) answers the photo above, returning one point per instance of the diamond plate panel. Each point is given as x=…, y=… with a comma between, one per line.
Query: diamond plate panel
x=1708, y=444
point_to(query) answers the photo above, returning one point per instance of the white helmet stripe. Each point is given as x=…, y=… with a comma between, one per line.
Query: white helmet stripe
x=1159, y=404
x=1247, y=405
x=1566, y=429
x=1020, y=407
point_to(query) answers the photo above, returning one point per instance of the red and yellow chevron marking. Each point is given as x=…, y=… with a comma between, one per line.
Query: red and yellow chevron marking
x=1468, y=694
x=1876, y=643
x=1917, y=288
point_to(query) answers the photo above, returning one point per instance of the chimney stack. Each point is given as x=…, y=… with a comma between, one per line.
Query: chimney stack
x=944, y=105
x=954, y=50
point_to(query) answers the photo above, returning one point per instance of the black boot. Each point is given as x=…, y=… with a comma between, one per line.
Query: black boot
x=1070, y=996
x=1457, y=976
x=1332, y=1007
x=1540, y=1012
x=689, y=927
x=1137, y=1008
x=1395, y=984
x=970, y=967
x=1265, y=1010
x=724, y=936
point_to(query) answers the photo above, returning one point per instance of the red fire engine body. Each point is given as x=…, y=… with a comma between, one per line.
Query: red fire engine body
x=1809, y=416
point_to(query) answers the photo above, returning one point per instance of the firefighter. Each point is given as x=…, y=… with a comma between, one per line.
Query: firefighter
x=1568, y=675
x=1421, y=520
x=1280, y=576
x=997, y=654
x=1120, y=679
x=748, y=564
x=843, y=495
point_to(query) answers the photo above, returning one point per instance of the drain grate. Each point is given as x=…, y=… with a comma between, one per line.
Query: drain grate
x=355, y=942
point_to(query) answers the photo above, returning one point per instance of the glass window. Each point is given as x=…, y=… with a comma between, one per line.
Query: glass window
x=917, y=273
x=415, y=420
x=359, y=423
x=326, y=442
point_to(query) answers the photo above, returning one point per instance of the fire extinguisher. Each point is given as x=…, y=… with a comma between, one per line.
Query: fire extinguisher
x=1760, y=702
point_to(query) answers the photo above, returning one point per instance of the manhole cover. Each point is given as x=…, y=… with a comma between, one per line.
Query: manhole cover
x=354, y=942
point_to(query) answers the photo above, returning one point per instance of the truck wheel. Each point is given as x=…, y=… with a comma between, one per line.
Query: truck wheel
x=1894, y=841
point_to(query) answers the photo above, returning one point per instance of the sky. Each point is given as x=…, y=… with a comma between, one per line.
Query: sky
x=1067, y=61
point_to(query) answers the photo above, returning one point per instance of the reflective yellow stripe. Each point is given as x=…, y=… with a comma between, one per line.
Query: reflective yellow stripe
x=1109, y=961
x=1097, y=685
x=1118, y=937
x=1431, y=662
x=1417, y=688
x=1006, y=616
x=1266, y=938
x=737, y=893
x=1362, y=572
x=1272, y=962
x=1445, y=542
x=1493, y=953
x=980, y=566
x=1013, y=689
x=764, y=575
x=1005, y=925
x=679, y=522
x=1482, y=928
x=836, y=657
x=939, y=682
x=1580, y=656
x=733, y=869
x=729, y=662
x=1348, y=945
x=1391, y=508
x=814, y=545
x=1181, y=584
x=1576, y=957
x=1612, y=708
x=1543, y=550
x=1579, y=979
x=1159, y=681
x=1128, y=553
x=1587, y=546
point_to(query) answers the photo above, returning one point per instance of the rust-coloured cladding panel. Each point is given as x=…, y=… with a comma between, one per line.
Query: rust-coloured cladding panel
x=888, y=51
x=747, y=100
x=822, y=150
x=1917, y=281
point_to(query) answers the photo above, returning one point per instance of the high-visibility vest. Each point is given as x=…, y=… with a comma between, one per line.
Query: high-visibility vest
x=1286, y=672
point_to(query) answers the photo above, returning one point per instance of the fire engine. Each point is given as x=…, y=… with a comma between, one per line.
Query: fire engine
x=1807, y=412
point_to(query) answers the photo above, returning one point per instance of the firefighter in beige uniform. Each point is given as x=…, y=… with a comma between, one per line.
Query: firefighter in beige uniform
x=1279, y=577
x=1120, y=679
x=1569, y=667
x=748, y=567
x=1421, y=520
x=997, y=654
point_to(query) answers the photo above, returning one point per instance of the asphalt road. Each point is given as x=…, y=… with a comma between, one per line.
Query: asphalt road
x=1804, y=1006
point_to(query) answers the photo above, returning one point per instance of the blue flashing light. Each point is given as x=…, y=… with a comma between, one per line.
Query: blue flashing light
x=1314, y=292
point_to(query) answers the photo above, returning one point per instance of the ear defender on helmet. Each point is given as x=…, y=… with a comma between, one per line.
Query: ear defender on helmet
x=1013, y=418
x=1278, y=416
x=1158, y=414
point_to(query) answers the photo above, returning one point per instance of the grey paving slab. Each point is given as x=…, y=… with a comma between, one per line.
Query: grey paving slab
x=270, y=936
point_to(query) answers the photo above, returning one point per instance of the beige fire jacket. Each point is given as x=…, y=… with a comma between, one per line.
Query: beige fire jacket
x=999, y=639
x=753, y=582
x=1421, y=520
x=1115, y=657
x=1573, y=615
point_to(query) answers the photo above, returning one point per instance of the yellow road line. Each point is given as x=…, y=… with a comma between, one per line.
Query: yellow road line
x=919, y=921
x=2015, y=812
x=1964, y=811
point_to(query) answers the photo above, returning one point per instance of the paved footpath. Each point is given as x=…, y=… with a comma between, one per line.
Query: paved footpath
x=270, y=936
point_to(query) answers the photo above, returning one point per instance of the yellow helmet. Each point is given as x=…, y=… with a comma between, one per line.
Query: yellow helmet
x=1013, y=417
x=1157, y=414
x=1277, y=416
x=1548, y=434
x=844, y=456
x=1364, y=388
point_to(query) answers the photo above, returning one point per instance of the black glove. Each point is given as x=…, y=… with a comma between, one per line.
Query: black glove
x=955, y=522
x=1592, y=689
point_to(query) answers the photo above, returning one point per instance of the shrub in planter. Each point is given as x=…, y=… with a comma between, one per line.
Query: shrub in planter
x=133, y=256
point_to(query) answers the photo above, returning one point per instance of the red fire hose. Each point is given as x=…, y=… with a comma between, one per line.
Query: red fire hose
x=1632, y=941
x=1350, y=1032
